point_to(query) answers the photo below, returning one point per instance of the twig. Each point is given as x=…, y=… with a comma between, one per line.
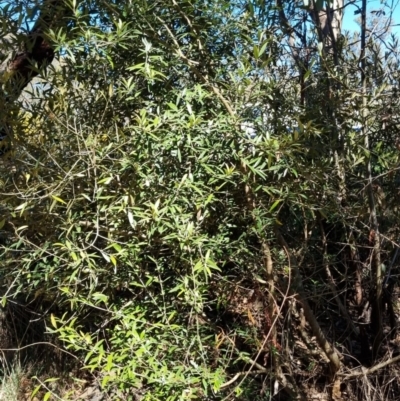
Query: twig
x=281, y=377
x=374, y=368
x=237, y=375
x=47, y=388
x=39, y=343
x=331, y=281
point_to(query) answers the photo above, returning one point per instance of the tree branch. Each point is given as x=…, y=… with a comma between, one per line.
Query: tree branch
x=300, y=295
x=365, y=372
x=36, y=51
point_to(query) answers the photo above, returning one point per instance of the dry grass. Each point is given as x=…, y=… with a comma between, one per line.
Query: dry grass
x=11, y=383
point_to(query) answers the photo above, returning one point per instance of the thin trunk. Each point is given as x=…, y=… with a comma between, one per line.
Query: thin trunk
x=376, y=272
x=331, y=282
x=300, y=294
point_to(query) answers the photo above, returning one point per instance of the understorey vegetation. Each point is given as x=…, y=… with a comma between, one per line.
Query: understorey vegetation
x=199, y=201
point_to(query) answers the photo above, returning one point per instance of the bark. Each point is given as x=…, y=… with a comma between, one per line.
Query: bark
x=31, y=56
x=302, y=63
x=35, y=52
x=329, y=24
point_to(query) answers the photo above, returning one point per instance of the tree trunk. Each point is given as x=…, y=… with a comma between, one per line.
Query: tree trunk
x=33, y=53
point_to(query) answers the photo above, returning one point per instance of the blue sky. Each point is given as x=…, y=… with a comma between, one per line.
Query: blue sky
x=349, y=17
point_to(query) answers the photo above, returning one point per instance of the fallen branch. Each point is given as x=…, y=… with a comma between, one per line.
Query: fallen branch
x=365, y=372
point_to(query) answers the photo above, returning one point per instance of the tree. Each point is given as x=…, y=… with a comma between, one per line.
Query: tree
x=182, y=204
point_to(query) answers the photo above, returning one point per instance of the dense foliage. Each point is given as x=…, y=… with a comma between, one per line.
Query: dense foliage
x=189, y=195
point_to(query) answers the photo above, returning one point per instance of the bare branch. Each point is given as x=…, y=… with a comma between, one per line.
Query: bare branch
x=374, y=368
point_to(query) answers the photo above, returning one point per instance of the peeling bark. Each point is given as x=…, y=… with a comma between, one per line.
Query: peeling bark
x=22, y=67
x=34, y=54
x=329, y=23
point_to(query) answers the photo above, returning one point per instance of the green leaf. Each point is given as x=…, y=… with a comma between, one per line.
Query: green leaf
x=106, y=180
x=35, y=391
x=53, y=321
x=109, y=364
x=274, y=205
x=58, y=199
